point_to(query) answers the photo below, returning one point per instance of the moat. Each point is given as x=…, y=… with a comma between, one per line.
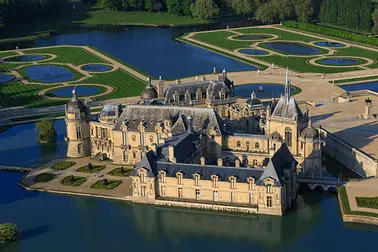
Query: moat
x=82, y=222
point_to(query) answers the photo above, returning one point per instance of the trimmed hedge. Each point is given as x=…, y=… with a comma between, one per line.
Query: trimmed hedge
x=345, y=204
x=332, y=32
x=368, y=202
x=62, y=165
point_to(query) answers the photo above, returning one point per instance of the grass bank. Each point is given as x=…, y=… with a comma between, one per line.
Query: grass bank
x=345, y=204
x=372, y=78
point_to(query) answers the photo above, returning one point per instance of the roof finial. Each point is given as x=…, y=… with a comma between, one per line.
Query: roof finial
x=287, y=86
x=309, y=122
x=253, y=95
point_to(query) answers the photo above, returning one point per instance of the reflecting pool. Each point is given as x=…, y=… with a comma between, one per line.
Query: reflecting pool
x=26, y=58
x=19, y=146
x=152, y=50
x=262, y=90
x=291, y=48
x=6, y=78
x=96, y=68
x=373, y=86
x=340, y=61
x=80, y=90
x=252, y=37
x=49, y=73
x=329, y=44
x=253, y=51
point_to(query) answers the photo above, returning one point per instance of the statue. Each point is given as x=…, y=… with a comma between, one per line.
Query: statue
x=228, y=27
x=258, y=71
x=272, y=65
x=160, y=78
x=196, y=78
x=214, y=70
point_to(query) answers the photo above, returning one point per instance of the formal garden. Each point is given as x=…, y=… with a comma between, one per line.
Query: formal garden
x=73, y=180
x=89, y=168
x=44, y=177
x=106, y=184
x=122, y=171
x=61, y=166
x=45, y=76
x=283, y=46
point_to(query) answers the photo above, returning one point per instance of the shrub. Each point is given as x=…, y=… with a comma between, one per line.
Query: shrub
x=8, y=232
x=62, y=165
x=44, y=177
x=73, y=180
x=106, y=184
x=367, y=202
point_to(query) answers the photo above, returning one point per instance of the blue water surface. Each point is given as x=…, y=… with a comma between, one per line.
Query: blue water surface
x=329, y=44
x=80, y=91
x=292, y=48
x=26, y=58
x=6, y=78
x=253, y=51
x=373, y=86
x=49, y=73
x=340, y=61
x=96, y=68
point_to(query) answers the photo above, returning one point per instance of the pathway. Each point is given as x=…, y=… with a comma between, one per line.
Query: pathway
x=363, y=188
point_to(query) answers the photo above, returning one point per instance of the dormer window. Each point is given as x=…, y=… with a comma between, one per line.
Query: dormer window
x=238, y=144
x=179, y=178
x=142, y=176
x=251, y=181
x=162, y=176
x=214, y=178
x=196, y=179
x=232, y=182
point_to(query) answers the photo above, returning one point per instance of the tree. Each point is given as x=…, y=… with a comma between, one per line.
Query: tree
x=266, y=13
x=304, y=10
x=46, y=131
x=179, y=7
x=8, y=232
x=205, y=9
x=136, y=4
x=375, y=20
x=243, y=6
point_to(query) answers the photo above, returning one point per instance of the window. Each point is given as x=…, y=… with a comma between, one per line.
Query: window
x=79, y=148
x=247, y=145
x=92, y=131
x=133, y=137
x=77, y=114
x=233, y=197
x=269, y=188
x=254, y=162
x=288, y=136
x=269, y=201
x=162, y=176
x=134, y=154
x=124, y=138
x=250, y=183
x=179, y=178
x=162, y=193
x=257, y=145
x=103, y=133
x=196, y=179
x=180, y=192
x=215, y=195
x=142, y=176
x=250, y=198
x=143, y=191
x=78, y=132
x=238, y=144
x=232, y=182
x=215, y=180
x=151, y=139
x=198, y=194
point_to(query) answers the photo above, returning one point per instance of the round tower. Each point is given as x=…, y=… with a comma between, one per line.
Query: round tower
x=77, y=117
x=311, y=149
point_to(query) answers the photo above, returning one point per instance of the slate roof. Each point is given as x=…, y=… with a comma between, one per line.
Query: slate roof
x=148, y=162
x=286, y=109
x=151, y=115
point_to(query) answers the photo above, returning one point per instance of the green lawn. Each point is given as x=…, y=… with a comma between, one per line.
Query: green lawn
x=90, y=16
x=374, y=77
x=125, y=84
x=95, y=168
x=219, y=39
x=43, y=177
x=283, y=35
x=345, y=204
x=74, y=55
x=73, y=180
x=62, y=165
x=358, y=52
x=6, y=54
x=122, y=171
x=106, y=184
x=368, y=202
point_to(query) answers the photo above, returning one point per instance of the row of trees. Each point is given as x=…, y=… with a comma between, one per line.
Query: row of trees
x=15, y=11
x=350, y=14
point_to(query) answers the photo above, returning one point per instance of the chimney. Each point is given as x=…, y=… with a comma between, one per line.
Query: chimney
x=237, y=163
x=171, y=154
x=220, y=162
x=153, y=148
x=202, y=160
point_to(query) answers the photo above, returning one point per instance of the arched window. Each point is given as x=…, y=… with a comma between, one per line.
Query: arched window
x=288, y=136
x=151, y=139
x=254, y=163
x=134, y=154
x=133, y=137
x=248, y=145
x=238, y=144
x=79, y=148
x=257, y=145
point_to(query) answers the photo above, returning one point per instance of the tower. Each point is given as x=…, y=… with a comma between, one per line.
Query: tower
x=311, y=150
x=77, y=117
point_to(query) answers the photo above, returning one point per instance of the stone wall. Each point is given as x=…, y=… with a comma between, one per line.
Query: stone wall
x=353, y=158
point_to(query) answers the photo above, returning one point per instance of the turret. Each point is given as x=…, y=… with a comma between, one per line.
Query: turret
x=311, y=149
x=77, y=117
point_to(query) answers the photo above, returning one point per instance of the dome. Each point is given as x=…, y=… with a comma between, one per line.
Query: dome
x=275, y=136
x=149, y=92
x=75, y=104
x=309, y=132
x=253, y=100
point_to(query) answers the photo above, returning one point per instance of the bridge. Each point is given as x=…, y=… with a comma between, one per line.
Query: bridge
x=324, y=183
x=14, y=168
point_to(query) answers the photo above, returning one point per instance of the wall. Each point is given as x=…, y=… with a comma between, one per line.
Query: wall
x=356, y=160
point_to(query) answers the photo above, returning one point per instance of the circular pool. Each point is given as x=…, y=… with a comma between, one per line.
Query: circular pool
x=49, y=73
x=80, y=91
x=340, y=61
x=329, y=44
x=6, y=78
x=253, y=51
x=252, y=37
x=96, y=68
x=262, y=90
x=292, y=48
x=26, y=58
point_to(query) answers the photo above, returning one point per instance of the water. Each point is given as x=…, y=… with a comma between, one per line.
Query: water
x=6, y=78
x=269, y=90
x=329, y=44
x=373, y=86
x=292, y=48
x=96, y=68
x=340, y=61
x=19, y=146
x=152, y=50
x=253, y=51
x=49, y=73
x=67, y=223
x=26, y=58
x=80, y=90
x=252, y=37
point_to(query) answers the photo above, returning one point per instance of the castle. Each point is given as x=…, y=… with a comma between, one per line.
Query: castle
x=195, y=145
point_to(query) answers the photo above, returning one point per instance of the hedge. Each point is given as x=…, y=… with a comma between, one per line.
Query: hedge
x=333, y=32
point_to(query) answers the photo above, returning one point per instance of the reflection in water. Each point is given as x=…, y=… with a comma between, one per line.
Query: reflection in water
x=49, y=73
x=292, y=48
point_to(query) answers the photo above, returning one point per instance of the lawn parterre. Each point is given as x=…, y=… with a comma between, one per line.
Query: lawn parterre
x=121, y=171
x=63, y=165
x=368, y=202
x=73, y=180
x=91, y=168
x=343, y=196
x=106, y=184
x=44, y=177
